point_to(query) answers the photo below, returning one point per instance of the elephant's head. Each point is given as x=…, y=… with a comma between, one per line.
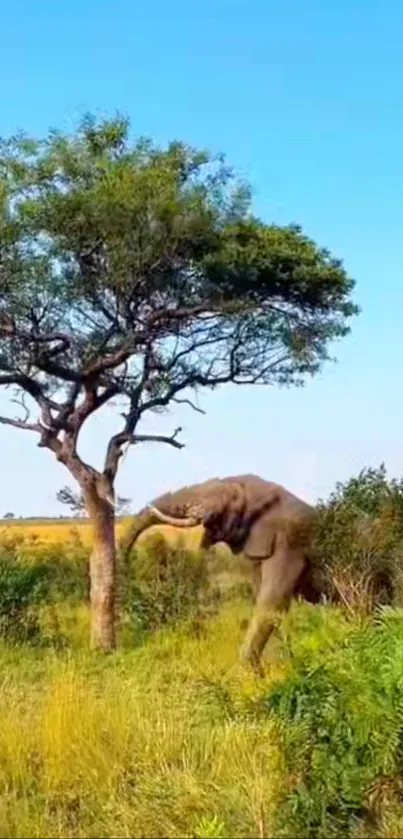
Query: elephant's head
x=244, y=511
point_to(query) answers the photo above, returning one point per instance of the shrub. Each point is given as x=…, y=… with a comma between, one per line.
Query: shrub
x=359, y=541
x=340, y=711
x=31, y=578
x=23, y=587
x=165, y=584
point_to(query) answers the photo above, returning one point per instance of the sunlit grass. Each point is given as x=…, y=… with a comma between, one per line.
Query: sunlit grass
x=170, y=738
x=53, y=531
x=151, y=742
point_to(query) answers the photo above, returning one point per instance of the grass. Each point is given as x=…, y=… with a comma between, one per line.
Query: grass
x=171, y=736
x=175, y=738
x=142, y=744
x=54, y=531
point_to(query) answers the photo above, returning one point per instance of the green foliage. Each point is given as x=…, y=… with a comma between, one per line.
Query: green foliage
x=22, y=588
x=161, y=585
x=29, y=579
x=165, y=585
x=115, y=247
x=359, y=540
x=340, y=710
x=370, y=492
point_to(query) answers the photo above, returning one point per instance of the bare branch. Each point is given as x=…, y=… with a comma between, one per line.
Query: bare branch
x=115, y=447
x=188, y=402
x=159, y=438
x=41, y=358
x=22, y=404
x=18, y=423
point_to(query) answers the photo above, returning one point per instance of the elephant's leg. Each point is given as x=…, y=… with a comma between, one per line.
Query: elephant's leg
x=256, y=576
x=280, y=575
x=255, y=579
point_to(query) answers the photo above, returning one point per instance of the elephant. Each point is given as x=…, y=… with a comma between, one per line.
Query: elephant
x=263, y=520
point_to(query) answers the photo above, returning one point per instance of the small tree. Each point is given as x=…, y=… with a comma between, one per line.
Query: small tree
x=76, y=502
x=137, y=273
x=73, y=500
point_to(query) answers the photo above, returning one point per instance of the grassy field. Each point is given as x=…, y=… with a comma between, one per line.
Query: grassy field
x=52, y=531
x=152, y=742
x=173, y=737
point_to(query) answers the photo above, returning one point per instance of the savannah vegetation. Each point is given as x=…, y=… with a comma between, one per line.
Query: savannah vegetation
x=170, y=736
x=134, y=276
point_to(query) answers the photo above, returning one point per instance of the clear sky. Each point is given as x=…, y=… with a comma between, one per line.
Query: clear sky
x=306, y=100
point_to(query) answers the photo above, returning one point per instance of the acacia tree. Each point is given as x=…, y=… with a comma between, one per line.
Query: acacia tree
x=130, y=272
x=75, y=501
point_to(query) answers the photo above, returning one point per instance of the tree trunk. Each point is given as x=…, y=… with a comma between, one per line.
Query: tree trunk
x=102, y=572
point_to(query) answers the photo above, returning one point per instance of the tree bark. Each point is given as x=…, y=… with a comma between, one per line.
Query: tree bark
x=102, y=572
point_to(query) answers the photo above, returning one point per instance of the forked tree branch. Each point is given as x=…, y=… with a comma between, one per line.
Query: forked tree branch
x=19, y=423
x=115, y=447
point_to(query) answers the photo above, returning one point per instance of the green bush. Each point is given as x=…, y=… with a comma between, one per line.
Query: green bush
x=165, y=584
x=32, y=577
x=340, y=715
x=359, y=543
x=23, y=587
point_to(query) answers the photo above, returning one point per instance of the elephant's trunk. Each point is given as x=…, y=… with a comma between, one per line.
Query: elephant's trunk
x=144, y=519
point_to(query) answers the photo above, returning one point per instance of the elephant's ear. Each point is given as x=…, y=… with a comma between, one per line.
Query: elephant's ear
x=261, y=539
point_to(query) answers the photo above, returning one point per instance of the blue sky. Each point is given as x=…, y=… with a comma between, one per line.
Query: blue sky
x=305, y=98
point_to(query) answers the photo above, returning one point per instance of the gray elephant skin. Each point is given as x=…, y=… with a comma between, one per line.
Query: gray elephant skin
x=272, y=528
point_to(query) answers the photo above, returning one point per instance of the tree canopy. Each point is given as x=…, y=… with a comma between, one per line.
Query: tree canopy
x=134, y=271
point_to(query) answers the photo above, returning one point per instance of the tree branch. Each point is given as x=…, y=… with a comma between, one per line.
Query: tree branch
x=17, y=423
x=91, y=402
x=114, y=451
x=189, y=402
x=158, y=438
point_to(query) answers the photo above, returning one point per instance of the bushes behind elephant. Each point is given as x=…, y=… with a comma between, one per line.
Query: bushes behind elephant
x=359, y=541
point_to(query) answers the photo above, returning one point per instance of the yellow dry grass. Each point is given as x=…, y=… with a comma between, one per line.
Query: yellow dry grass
x=54, y=531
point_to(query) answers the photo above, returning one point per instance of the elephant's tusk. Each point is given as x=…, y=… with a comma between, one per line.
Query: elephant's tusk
x=174, y=522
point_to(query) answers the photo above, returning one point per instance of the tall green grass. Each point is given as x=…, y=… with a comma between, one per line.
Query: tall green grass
x=175, y=738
